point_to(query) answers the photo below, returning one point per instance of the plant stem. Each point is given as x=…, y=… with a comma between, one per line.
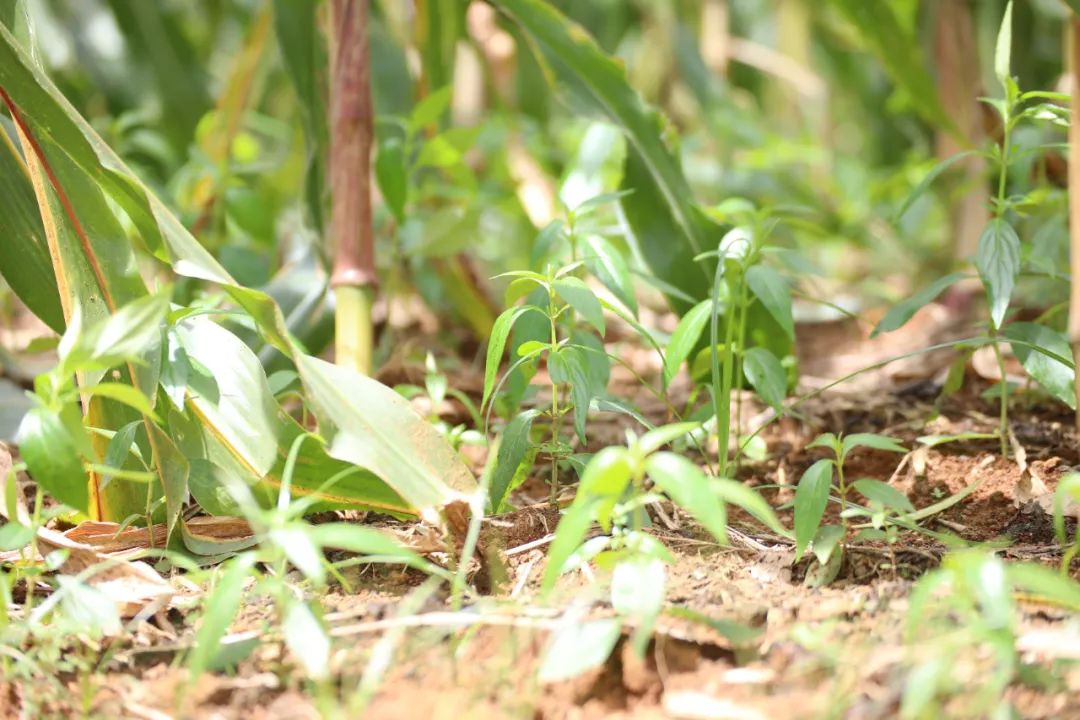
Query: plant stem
x=1073, y=64
x=35, y=523
x=842, y=486
x=723, y=423
x=556, y=417
x=1003, y=413
x=351, y=135
x=737, y=358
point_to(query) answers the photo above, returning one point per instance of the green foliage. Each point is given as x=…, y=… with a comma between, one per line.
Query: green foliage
x=812, y=495
x=963, y=610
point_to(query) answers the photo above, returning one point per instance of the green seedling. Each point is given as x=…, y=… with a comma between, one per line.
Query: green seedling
x=826, y=476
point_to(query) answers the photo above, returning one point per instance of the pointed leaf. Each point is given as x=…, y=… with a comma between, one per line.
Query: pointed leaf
x=578, y=295
x=773, y=292
x=513, y=450
x=887, y=495
x=366, y=423
x=811, y=497
x=766, y=375
x=998, y=262
x=688, y=487
x=610, y=268
x=903, y=311
x=685, y=338
x=1055, y=376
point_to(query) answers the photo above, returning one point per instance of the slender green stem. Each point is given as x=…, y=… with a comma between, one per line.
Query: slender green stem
x=999, y=213
x=555, y=416
x=737, y=359
x=35, y=523
x=724, y=420
x=1003, y=412
x=843, y=488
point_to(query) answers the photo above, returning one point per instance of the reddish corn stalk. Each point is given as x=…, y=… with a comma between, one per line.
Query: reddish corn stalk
x=351, y=136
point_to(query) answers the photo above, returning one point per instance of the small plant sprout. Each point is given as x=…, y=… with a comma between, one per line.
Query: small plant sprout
x=815, y=490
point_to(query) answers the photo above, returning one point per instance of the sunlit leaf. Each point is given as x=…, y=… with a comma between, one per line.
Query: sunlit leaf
x=688, y=487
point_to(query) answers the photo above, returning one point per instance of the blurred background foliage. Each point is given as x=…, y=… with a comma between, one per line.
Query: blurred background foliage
x=828, y=112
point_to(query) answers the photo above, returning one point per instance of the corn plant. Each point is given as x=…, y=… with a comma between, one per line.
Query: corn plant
x=203, y=408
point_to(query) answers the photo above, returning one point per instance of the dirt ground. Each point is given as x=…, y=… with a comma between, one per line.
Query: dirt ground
x=777, y=648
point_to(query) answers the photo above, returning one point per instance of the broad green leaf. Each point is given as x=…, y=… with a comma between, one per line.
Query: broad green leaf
x=1055, y=376
x=126, y=394
x=1003, y=49
x=766, y=375
x=685, y=338
x=637, y=587
x=15, y=536
x=577, y=647
x=903, y=311
x=228, y=389
x=24, y=251
x=87, y=607
x=899, y=50
x=689, y=488
x=609, y=266
x=773, y=292
x=998, y=262
x=125, y=334
x=52, y=457
x=513, y=450
x=368, y=424
x=653, y=171
x=242, y=431
x=811, y=497
x=887, y=495
x=219, y=610
x=870, y=440
x=500, y=332
x=582, y=299
x=85, y=167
